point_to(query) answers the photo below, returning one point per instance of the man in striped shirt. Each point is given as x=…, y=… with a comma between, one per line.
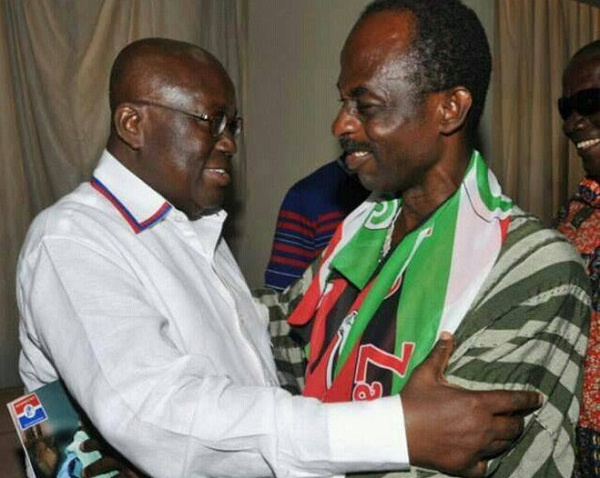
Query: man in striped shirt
x=309, y=214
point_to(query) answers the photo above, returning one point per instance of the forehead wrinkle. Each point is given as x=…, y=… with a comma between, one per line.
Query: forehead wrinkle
x=386, y=68
x=399, y=67
x=390, y=70
x=396, y=75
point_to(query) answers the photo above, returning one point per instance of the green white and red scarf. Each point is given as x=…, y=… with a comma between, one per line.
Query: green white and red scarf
x=435, y=271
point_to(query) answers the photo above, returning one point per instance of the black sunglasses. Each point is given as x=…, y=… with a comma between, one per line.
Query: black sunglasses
x=585, y=102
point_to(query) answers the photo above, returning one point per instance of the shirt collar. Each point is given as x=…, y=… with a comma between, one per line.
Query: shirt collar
x=209, y=229
x=139, y=204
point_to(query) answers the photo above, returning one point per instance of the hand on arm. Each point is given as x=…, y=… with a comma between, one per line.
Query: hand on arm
x=456, y=430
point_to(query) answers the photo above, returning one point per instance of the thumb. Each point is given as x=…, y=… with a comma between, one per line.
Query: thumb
x=477, y=471
x=437, y=361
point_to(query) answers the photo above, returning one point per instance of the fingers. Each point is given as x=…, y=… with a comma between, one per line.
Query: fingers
x=526, y=402
x=506, y=430
x=437, y=361
x=476, y=471
x=509, y=402
x=103, y=465
x=90, y=445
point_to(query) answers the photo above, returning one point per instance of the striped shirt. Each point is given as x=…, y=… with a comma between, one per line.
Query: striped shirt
x=308, y=217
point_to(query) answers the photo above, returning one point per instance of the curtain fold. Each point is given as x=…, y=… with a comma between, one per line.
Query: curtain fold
x=534, y=40
x=54, y=117
x=16, y=206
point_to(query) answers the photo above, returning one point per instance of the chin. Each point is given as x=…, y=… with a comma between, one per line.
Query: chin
x=383, y=188
x=212, y=208
x=202, y=212
x=370, y=183
x=209, y=211
x=592, y=168
x=594, y=176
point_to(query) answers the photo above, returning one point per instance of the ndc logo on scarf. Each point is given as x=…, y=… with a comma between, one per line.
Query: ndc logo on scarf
x=29, y=411
x=383, y=215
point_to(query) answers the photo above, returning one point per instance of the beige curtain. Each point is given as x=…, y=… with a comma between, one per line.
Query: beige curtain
x=55, y=57
x=533, y=42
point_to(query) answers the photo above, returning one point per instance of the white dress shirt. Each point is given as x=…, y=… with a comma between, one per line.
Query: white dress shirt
x=147, y=319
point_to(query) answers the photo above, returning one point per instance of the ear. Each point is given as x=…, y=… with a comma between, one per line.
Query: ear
x=455, y=107
x=128, y=125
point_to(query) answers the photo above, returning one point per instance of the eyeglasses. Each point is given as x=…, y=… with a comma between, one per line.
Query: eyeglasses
x=217, y=124
x=585, y=102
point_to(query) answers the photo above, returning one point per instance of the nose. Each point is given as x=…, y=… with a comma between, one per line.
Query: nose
x=226, y=144
x=346, y=122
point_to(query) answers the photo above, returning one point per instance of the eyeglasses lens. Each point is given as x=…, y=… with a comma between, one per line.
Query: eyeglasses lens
x=235, y=126
x=585, y=102
x=220, y=123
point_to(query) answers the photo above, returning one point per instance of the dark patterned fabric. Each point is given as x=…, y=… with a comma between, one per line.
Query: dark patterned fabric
x=579, y=220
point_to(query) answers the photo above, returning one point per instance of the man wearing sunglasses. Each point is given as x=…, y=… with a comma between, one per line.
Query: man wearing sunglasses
x=129, y=295
x=579, y=220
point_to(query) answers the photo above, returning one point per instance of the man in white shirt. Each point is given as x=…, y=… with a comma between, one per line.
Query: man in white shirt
x=129, y=295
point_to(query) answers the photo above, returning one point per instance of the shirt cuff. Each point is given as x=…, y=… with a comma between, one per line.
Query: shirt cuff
x=378, y=423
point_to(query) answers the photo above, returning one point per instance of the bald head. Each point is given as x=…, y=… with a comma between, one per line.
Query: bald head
x=173, y=125
x=160, y=69
x=589, y=51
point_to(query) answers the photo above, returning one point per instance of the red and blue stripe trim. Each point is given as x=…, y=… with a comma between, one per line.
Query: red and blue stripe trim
x=131, y=220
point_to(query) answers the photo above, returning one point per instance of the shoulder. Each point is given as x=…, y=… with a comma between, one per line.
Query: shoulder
x=320, y=182
x=527, y=330
x=535, y=261
x=537, y=265
x=81, y=216
x=530, y=243
x=315, y=194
